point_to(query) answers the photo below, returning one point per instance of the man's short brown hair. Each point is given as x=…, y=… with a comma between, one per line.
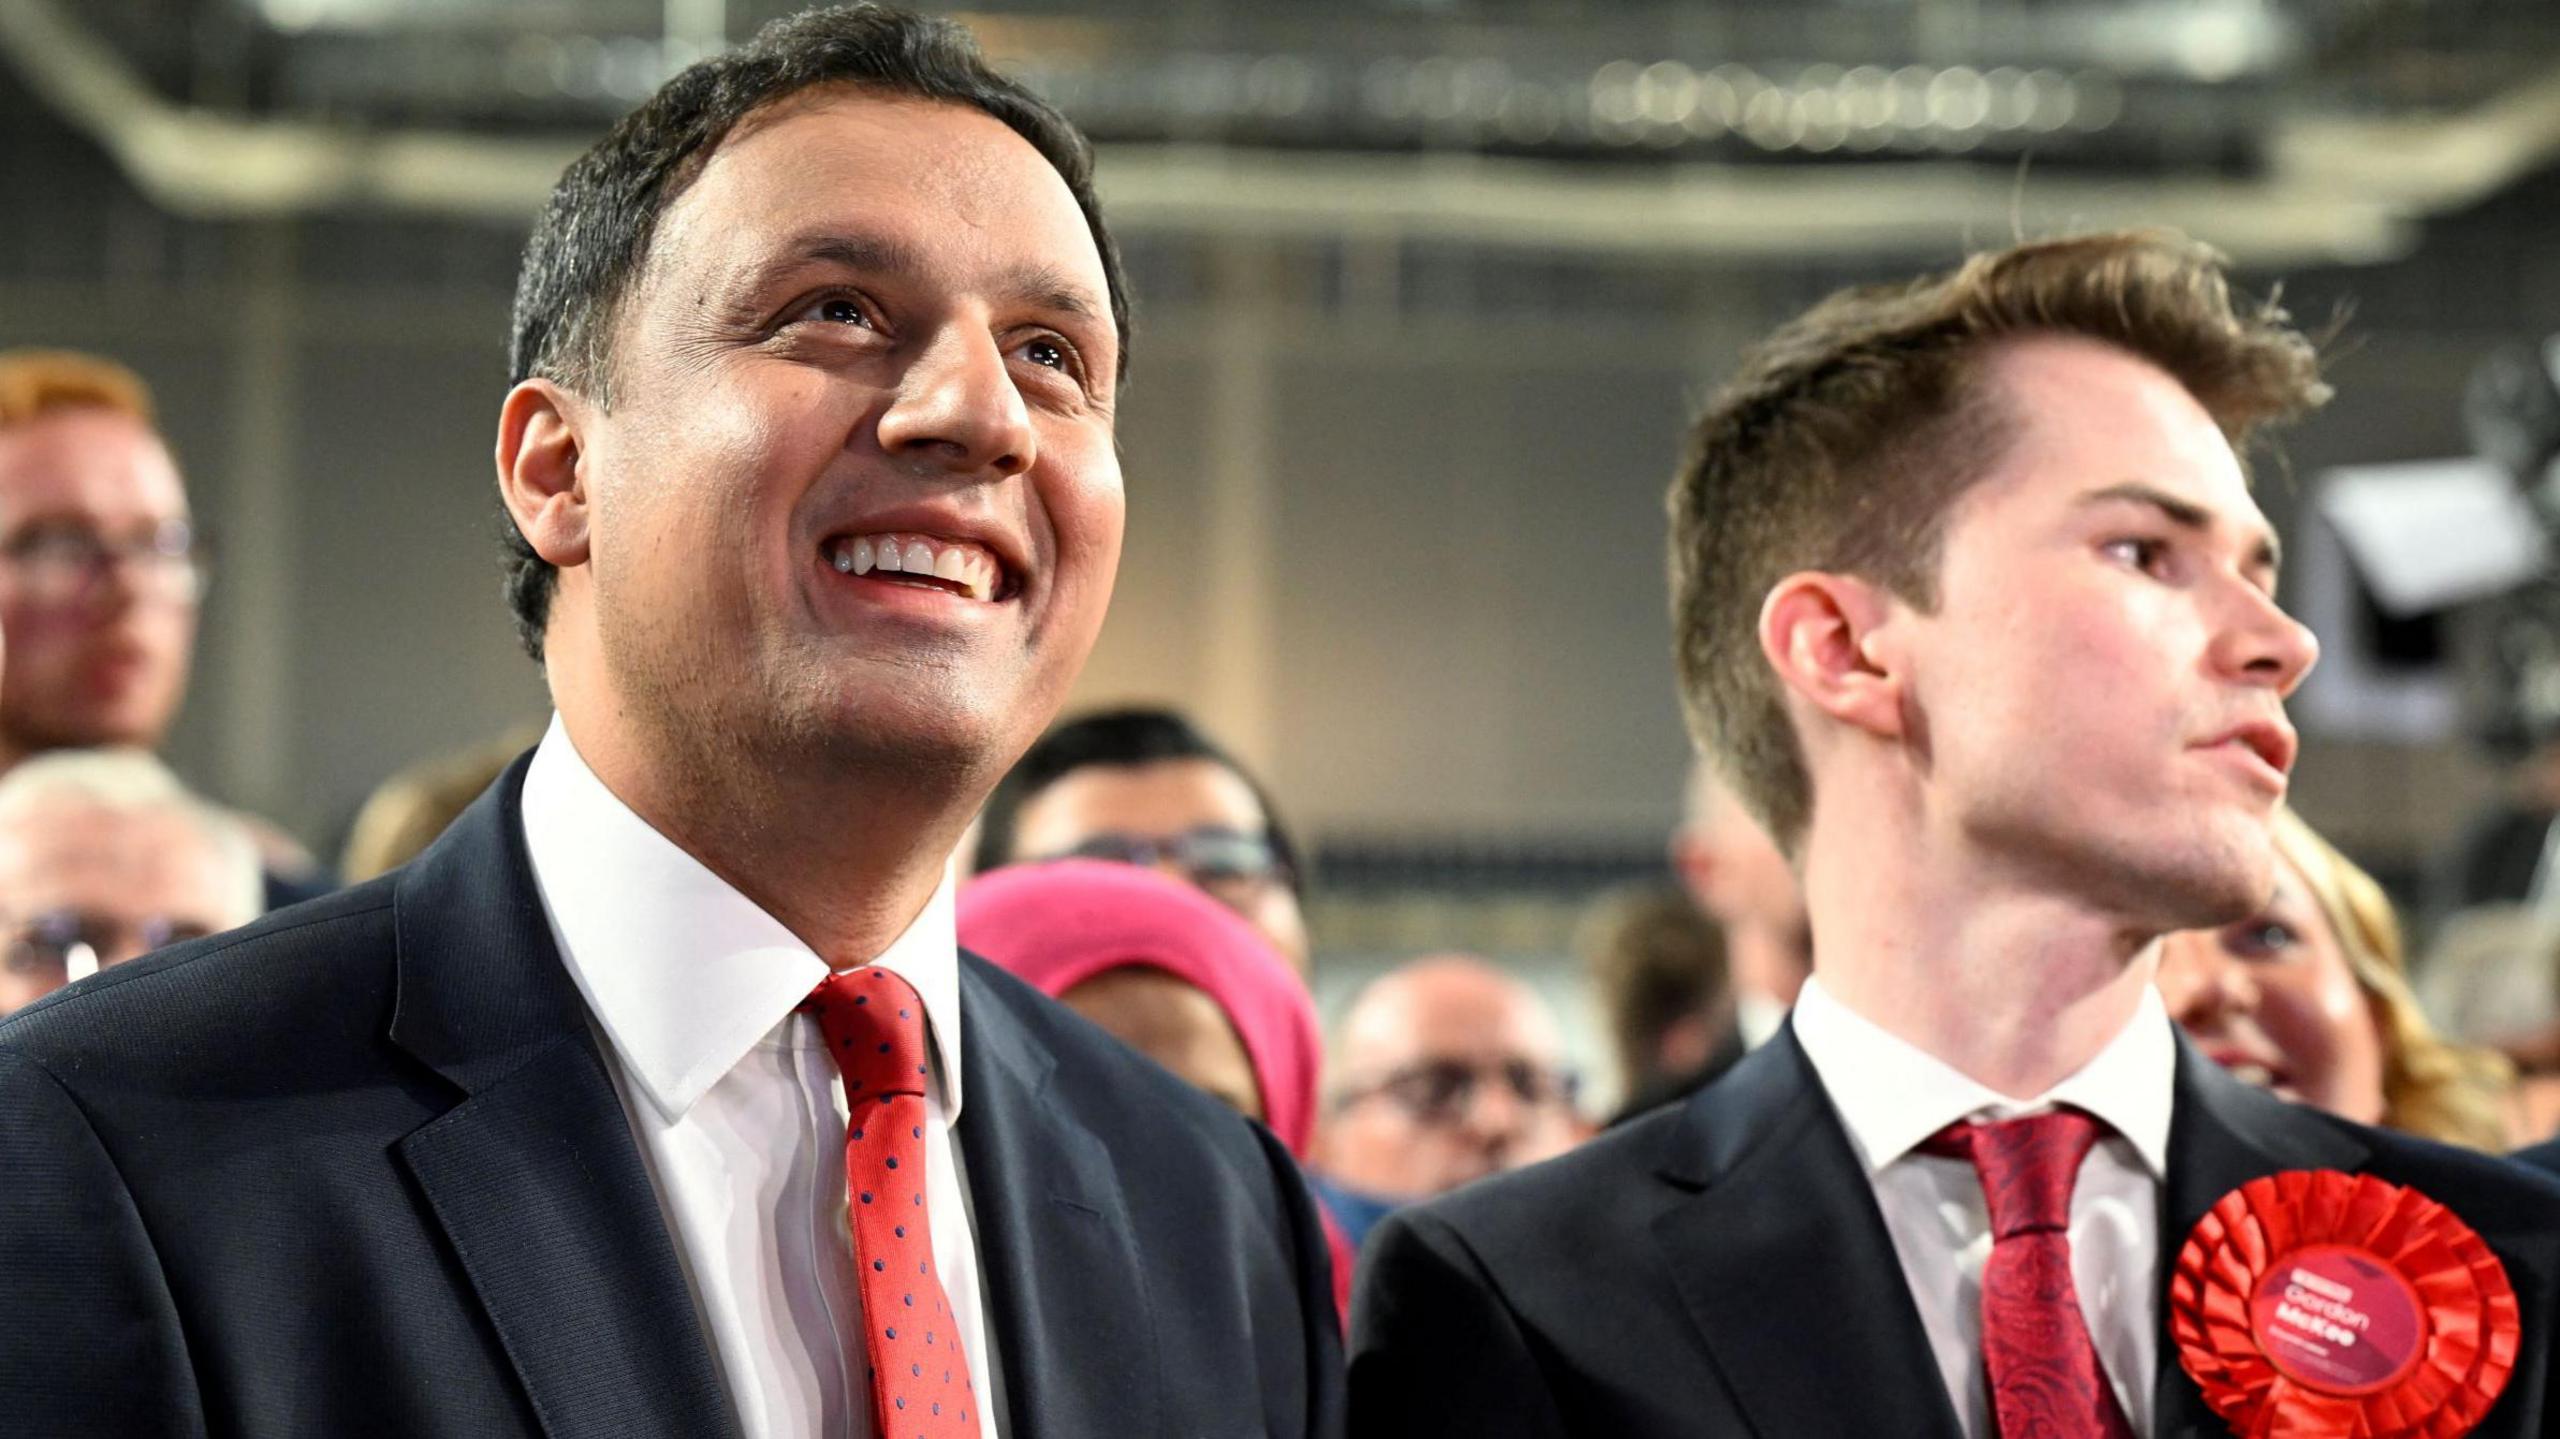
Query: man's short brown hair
x=1849, y=434
x=1655, y=960
x=42, y=382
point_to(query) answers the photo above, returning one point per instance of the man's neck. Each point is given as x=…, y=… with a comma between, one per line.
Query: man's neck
x=2018, y=990
x=845, y=862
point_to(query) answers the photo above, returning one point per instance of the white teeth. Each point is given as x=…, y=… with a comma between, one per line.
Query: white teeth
x=2254, y=1074
x=966, y=566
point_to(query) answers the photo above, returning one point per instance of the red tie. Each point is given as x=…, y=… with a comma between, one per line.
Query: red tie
x=2046, y=1382
x=920, y=1385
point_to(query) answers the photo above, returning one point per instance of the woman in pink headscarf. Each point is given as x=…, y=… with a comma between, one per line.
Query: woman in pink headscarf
x=1171, y=973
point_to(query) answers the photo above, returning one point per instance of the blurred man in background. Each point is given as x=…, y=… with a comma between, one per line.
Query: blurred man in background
x=1728, y=862
x=1444, y=1071
x=1657, y=966
x=101, y=567
x=104, y=856
x=1145, y=786
x=1746, y=890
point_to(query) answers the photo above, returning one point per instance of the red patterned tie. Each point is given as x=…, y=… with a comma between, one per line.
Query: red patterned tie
x=2046, y=1382
x=920, y=1385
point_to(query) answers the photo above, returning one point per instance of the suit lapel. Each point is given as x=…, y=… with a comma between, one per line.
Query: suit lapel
x=2222, y=1134
x=534, y=1176
x=1784, y=1265
x=1060, y=1263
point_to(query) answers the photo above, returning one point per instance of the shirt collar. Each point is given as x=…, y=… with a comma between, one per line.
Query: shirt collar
x=683, y=973
x=1891, y=1094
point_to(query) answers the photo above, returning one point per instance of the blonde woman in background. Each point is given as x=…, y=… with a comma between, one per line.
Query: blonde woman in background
x=2310, y=997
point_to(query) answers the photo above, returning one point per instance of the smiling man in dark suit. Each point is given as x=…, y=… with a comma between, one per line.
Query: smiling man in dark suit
x=1975, y=609
x=655, y=1099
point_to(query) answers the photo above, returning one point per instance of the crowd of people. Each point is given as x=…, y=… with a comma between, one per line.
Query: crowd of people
x=805, y=1033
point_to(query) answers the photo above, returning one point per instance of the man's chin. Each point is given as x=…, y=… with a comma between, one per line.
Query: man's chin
x=2197, y=877
x=94, y=730
x=915, y=734
x=2215, y=885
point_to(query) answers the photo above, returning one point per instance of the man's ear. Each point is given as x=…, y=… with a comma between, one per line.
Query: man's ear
x=1693, y=860
x=541, y=479
x=1824, y=634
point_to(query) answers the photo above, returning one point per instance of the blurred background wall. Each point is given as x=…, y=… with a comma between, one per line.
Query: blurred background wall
x=1426, y=290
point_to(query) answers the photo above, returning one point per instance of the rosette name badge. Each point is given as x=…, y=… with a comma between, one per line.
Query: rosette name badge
x=2313, y=1303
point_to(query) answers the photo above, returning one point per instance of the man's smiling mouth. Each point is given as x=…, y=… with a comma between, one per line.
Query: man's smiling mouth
x=925, y=561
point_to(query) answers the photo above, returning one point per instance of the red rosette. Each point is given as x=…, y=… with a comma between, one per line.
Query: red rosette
x=2313, y=1303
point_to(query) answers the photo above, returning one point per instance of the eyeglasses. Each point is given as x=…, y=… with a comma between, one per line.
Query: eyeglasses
x=62, y=945
x=58, y=560
x=1214, y=857
x=1438, y=1091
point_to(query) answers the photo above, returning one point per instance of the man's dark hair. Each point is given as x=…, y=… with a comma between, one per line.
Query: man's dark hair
x=1123, y=737
x=594, y=235
x=1655, y=960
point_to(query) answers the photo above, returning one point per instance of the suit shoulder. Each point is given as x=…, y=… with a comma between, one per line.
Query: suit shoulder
x=2488, y=1191
x=237, y=991
x=2543, y=1157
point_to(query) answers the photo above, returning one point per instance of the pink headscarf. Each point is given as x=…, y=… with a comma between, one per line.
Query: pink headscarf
x=1058, y=924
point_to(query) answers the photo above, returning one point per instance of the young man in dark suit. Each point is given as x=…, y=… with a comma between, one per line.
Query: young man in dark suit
x=656, y=1099
x=1976, y=611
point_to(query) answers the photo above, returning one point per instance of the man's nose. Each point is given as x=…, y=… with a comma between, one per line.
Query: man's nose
x=1493, y=1113
x=2262, y=644
x=958, y=407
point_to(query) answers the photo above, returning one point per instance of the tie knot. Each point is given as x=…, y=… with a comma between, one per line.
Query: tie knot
x=2027, y=1165
x=874, y=1025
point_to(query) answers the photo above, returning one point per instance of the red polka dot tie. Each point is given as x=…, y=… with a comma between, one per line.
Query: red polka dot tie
x=2046, y=1381
x=920, y=1384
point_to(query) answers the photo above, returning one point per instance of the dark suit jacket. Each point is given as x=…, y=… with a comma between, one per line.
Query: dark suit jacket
x=1721, y=1268
x=2544, y=1156
x=359, y=1169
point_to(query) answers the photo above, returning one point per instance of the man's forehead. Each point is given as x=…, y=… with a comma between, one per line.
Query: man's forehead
x=907, y=178
x=85, y=443
x=1449, y=1012
x=1188, y=788
x=73, y=829
x=2079, y=416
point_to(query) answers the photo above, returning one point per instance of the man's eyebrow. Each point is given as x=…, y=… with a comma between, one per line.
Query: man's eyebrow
x=851, y=252
x=1046, y=288
x=2185, y=514
x=1040, y=286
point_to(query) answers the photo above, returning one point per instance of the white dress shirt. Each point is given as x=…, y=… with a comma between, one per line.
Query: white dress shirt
x=1891, y=1096
x=739, y=1112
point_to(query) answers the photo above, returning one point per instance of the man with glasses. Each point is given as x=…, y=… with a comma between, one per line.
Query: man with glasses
x=1146, y=787
x=99, y=561
x=1445, y=1071
x=104, y=856
x=101, y=566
